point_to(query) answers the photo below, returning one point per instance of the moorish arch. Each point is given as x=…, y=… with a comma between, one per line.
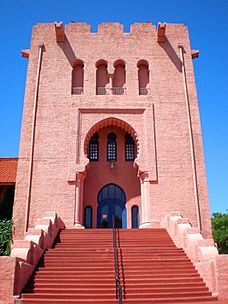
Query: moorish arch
x=115, y=122
x=121, y=171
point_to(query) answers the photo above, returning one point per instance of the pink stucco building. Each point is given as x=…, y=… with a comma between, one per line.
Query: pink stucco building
x=111, y=129
x=133, y=93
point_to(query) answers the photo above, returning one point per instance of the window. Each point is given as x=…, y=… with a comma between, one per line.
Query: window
x=119, y=79
x=111, y=147
x=78, y=78
x=143, y=77
x=135, y=216
x=88, y=217
x=129, y=148
x=102, y=77
x=94, y=148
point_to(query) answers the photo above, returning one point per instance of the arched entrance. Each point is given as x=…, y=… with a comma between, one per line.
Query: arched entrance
x=111, y=203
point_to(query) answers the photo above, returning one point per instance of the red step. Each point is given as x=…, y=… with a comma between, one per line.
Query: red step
x=80, y=269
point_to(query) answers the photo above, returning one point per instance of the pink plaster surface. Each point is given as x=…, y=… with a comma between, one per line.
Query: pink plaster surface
x=14, y=273
x=25, y=254
x=212, y=267
x=64, y=120
x=7, y=270
x=222, y=275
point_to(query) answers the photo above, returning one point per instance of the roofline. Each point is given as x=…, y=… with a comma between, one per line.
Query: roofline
x=9, y=158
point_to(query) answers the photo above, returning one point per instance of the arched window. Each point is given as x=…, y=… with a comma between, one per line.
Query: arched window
x=94, y=148
x=129, y=148
x=135, y=216
x=143, y=77
x=88, y=213
x=101, y=77
x=111, y=147
x=78, y=78
x=119, y=79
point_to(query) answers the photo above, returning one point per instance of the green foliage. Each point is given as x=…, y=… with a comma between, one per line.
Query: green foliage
x=220, y=231
x=5, y=236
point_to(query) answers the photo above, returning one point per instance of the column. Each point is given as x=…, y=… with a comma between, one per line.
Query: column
x=145, y=201
x=78, y=200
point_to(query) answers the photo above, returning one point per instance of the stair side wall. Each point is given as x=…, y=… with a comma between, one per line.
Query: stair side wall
x=212, y=267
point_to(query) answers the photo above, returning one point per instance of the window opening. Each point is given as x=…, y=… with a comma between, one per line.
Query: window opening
x=88, y=211
x=78, y=78
x=129, y=148
x=111, y=147
x=102, y=79
x=143, y=77
x=94, y=148
x=119, y=79
x=135, y=216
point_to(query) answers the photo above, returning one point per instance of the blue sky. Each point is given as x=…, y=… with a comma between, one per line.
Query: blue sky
x=208, y=27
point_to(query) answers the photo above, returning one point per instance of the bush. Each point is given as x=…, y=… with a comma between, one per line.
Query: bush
x=220, y=231
x=5, y=236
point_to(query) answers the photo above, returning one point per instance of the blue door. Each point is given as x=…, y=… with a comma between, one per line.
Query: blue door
x=111, y=204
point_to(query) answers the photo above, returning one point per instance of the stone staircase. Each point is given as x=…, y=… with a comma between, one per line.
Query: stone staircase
x=80, y=269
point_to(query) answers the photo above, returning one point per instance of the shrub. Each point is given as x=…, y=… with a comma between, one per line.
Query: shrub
x=5, y=236
x=220, y=231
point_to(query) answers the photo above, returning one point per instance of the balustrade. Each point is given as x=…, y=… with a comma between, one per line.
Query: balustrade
x=111, y=91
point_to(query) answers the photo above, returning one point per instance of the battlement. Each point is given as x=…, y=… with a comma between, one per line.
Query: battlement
x=112, y=27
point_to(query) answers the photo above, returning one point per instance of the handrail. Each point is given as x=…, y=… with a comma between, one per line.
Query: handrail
x=119, y=289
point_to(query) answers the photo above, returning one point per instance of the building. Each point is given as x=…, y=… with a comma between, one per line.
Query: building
x=111, y=129
x=115, y=116
x=8, y=172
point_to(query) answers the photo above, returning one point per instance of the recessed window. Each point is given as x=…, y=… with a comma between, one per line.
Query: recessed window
x=111, y=147
x=88, y=217
x=78, y=78
x=129, y=148
x=94, y=148
x=102, y=77
x=119, y=79
x=135, y=216
x=143, y=77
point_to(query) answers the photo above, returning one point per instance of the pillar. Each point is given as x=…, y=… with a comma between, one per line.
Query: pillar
x=145, y=201
x=79, y=200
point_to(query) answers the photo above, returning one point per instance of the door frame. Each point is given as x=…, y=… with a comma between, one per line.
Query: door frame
x=111, y=202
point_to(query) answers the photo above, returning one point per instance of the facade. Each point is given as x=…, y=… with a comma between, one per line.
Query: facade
x=110, y=135
x=110, y=127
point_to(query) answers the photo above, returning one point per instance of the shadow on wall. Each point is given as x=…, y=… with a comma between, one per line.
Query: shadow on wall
x=167, y=47
x=68, y=51
x=6, y=202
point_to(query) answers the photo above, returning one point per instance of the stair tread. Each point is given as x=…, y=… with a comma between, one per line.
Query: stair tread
x=80, y=269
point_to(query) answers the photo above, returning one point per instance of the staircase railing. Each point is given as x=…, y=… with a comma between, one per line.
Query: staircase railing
x=119, y=288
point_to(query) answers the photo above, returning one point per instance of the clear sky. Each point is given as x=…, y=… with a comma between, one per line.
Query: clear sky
x=208, y=26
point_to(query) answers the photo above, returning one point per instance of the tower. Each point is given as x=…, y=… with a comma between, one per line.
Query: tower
x=110, y=128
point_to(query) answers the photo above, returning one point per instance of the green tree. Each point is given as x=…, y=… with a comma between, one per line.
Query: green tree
x=5, y=236
x=220, y=231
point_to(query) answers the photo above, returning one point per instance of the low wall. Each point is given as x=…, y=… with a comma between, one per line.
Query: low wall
x=16, y=269
x=212, y=267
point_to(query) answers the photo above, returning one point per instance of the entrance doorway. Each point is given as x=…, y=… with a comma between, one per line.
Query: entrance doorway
x=111, y=203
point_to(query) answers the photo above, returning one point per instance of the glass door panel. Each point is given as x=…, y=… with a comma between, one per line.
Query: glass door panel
x=111, y=203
